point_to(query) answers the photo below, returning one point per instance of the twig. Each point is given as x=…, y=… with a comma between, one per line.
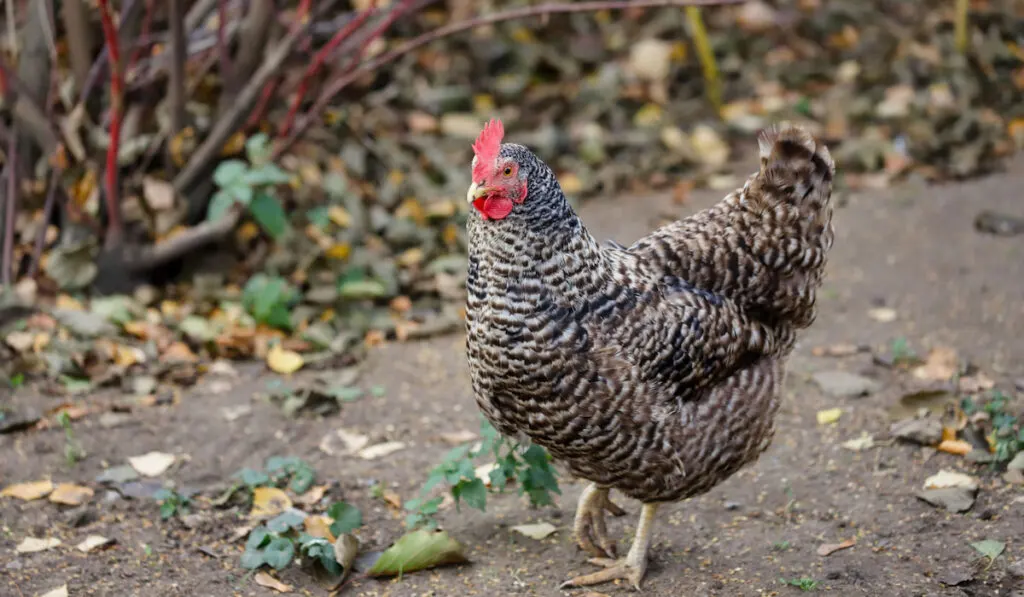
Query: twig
x=960, y=24
x=12, y=28
x=51, y=201
x=10, y=210
x=178, y=58
x=318, y=63
x=115, y=228
x=184, y=243
x=346, y=79
x=27, y=113
x=80, y=41
x=706, y=56
x=223, y=52
x=227, y=124
x=252, y=43
x=197, y=13
x=147, y=22
x=302, y=17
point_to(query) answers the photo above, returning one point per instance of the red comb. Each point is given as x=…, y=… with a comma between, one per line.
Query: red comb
x=486, y=148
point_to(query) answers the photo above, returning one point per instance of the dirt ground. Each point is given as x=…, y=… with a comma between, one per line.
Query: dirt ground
x=913, y=249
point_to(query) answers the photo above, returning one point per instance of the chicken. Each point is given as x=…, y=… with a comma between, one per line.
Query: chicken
x=653, y=369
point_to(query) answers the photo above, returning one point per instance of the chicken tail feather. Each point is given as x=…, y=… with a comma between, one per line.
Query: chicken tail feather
x=795, y=168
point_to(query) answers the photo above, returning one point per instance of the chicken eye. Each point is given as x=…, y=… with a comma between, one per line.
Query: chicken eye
x=507, y=171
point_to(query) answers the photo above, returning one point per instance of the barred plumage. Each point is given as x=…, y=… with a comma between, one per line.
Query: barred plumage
x=653, y=369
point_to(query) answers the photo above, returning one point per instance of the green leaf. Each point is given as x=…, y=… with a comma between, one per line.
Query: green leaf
x=258, y=537
x=474, y=492
x=240, y=193
x=335, y=185
x=228, y=172
x=418, y=550
x=331, y=565
x=318, y=216
x=253, y=478
x=346, y=518
x=284, y=521
x=346, y=393
x=361, y=289
x=302, y=479
x=267, y=174
x=167, y=509
x=989, y=548
x=279, y=552
x=257, y=148
x=219, y=205
x=277, y=464
x=253, y=559
x=269, y=214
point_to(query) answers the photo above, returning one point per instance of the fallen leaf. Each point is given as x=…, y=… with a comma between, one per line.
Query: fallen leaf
x=159, y=194
x=265, y=580
x=392, y=498
x=152, y=464
x=269, y=501
x=836, y=350
x=178, y=352
x=283, y=361
x=312, y=496
x=941, y=364
x=32, y=490
x=955, y=446
x=353, y=441
x=346, y=548
x=537, y=531
x=456, y=438
x=70, y=494
x=859, y=444
x=319, y=526
x=827, y=549
x=92, y=542
x=829, y=416
x=945, y=478
x=990, y=549
x=380, y=450
x=418, y=550
x=61, y=591
x=883, y=314
x=972, y=384
x=32, y=545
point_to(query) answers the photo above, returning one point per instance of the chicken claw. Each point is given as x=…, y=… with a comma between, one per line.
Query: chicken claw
x=589, y=527
x=632, y=567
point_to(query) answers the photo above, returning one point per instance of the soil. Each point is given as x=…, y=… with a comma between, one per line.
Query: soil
x=913, y=249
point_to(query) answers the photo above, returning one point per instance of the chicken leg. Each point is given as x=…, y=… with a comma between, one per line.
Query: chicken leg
x=632, y=567
x=589, y=527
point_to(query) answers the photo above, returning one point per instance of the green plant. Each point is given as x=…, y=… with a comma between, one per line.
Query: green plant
x=269, y=299
x=16, y=381
x=253, y=186
x=171, y=503
x=1006, y=435
x=529, y=465
x=802, y=583
x=73, y=451
x=276, y=543
x=901, y=351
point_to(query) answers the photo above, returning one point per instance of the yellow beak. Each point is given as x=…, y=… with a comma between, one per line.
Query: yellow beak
x=476, y=191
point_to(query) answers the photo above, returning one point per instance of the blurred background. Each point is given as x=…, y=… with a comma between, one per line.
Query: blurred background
x=280, y=185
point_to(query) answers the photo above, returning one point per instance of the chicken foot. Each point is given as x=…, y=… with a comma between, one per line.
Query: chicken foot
x=589, y=527
x=632, y=567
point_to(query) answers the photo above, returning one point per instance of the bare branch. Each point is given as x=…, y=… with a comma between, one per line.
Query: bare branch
x=80, y=39
x=252, y=42
x=198, y=12
x=227, y=75
x=199, y=235
x=178, y=58
x=346, y=79
x=48, y=207
x=10, y=205
x=115, y=229
x=34, y=70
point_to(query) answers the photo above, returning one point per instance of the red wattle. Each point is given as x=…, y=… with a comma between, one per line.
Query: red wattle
x=493, y=208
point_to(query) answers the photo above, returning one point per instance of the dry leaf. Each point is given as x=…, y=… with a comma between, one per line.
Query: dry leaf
x=830, y=548
x=70, y=494
x=283, y=361
x=945, y=479
x=61, y=591
x=346, y=548
x=92, y=542
x=311, y=497
x=380, y=450
x=836, y=350
x=32, y=545
x=829, y=416
x=537, y=531
x=972, y=384
x=456, y=438
x=353, y=441
x=178, y=352
x=956, y=446
x=152, y=464
x=883, y=314
x=319, y=526
x=32, y=490
x=940, y=365
x=483, y=472
x=265, y=580
x=269, y=501
x=159, y=194
x=392, y=498
x=859, y=444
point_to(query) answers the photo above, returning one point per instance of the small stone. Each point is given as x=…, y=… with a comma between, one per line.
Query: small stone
x=954, y=499
x=843, y=384
x=926, y=431
x=1016, y=568
x=1017, y=463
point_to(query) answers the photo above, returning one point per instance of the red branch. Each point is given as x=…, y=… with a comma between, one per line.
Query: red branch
x=11, y=211
x=318, y=62
x=346, y=78
x=143, y=39
x=114, y=227
x=302, y=16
